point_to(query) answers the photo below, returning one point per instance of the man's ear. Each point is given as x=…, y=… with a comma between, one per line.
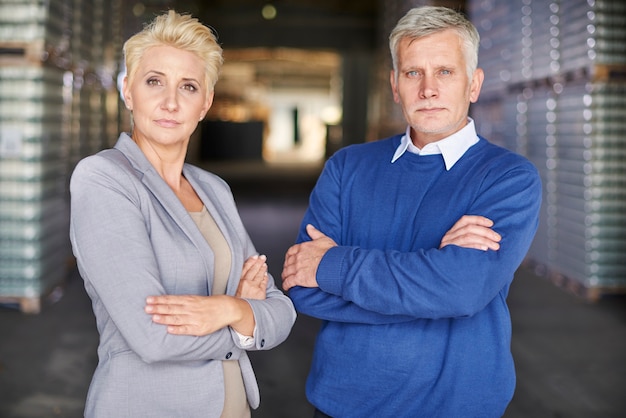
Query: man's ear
x=394, y=85
x=476, y=85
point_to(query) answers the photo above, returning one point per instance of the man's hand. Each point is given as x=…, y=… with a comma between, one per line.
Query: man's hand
x=302, y=260
x=253, y=282
x=472, y=231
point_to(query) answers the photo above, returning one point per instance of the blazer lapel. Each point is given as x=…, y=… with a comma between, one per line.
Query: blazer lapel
x=221, y=217
x=166, y=197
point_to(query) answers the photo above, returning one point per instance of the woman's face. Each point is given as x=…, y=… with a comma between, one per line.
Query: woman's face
x=167, y=96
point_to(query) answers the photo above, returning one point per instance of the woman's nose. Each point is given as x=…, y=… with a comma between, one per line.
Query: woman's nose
x=170, y=100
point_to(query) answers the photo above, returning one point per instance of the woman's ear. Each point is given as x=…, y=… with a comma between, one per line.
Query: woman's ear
x=126, y=94
x=207, y=105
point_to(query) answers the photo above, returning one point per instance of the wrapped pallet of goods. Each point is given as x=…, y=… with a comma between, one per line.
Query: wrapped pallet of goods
x=34, y=111
x=567, y=75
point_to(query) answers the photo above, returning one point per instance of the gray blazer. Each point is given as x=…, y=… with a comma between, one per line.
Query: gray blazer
x=133, y=238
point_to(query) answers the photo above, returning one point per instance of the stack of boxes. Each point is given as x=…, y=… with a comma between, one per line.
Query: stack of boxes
x=554, y=91
x=46, y=47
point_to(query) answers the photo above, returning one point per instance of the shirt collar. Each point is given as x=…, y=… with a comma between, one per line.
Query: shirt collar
x=451, y=148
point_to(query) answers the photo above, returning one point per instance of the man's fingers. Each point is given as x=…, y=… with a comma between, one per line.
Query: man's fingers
x=313, y=232
x=287, y=272
x=474, y=220
x=287, y=284
x=472, y=231
x=470, y=225
x=475, y=241
x=481, y=231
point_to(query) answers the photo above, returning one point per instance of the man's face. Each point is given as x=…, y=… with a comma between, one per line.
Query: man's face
x=433, y=87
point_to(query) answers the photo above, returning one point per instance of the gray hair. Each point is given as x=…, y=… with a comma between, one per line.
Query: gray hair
x=424, y=21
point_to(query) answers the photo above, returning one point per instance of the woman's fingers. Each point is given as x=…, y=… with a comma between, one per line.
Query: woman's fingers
x=192, y=315
x=254, y=268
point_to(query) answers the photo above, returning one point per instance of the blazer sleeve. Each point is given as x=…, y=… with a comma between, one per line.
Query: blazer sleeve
x=111, y=241
x=275, y=315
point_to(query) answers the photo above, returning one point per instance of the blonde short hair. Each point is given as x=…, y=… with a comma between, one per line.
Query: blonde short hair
x=424, y=21
x=179, y=31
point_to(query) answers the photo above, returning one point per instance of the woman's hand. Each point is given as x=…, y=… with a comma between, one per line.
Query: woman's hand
x=200, y=315
x=253, y=282
x=203, y=315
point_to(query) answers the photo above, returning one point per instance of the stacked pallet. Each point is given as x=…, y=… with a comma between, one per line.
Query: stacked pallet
x=554, y=91
x=33, y=207
x=44, y=60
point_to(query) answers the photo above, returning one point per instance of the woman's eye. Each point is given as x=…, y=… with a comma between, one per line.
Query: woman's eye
x=152, y=82
x=190, y=87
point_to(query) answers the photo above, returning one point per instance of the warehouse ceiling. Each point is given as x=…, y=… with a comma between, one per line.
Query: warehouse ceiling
x=309, y=24
x=284, y=44
x=278, y=44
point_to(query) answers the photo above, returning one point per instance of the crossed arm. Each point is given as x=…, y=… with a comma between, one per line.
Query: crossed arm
x=203, y=315
x=302, y=260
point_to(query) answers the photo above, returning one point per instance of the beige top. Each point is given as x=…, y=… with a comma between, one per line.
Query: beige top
x=235, y=401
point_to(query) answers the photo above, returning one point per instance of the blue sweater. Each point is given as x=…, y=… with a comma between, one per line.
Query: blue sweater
x=410, y=330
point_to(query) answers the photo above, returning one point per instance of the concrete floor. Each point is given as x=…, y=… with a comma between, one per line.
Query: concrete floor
x=570, y=354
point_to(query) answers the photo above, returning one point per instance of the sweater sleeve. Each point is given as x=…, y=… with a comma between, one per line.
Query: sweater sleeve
x=429, y=283
x=324, y=212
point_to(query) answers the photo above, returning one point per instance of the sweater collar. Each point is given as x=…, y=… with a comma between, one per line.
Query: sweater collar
x=451, y=148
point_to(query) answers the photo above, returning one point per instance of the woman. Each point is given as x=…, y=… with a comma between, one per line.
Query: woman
x=145, y=226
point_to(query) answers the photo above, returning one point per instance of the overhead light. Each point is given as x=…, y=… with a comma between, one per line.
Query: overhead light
x=268, y=11
x=139, y=9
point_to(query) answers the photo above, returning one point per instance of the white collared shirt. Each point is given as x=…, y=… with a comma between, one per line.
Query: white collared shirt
x=451, y=148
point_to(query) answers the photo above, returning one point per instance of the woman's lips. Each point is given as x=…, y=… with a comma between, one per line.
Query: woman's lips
x=167, y=123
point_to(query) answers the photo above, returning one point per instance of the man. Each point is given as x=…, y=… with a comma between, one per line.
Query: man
x=410, y=244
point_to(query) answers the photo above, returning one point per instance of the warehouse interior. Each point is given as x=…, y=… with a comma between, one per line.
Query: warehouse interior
x=301, y=79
